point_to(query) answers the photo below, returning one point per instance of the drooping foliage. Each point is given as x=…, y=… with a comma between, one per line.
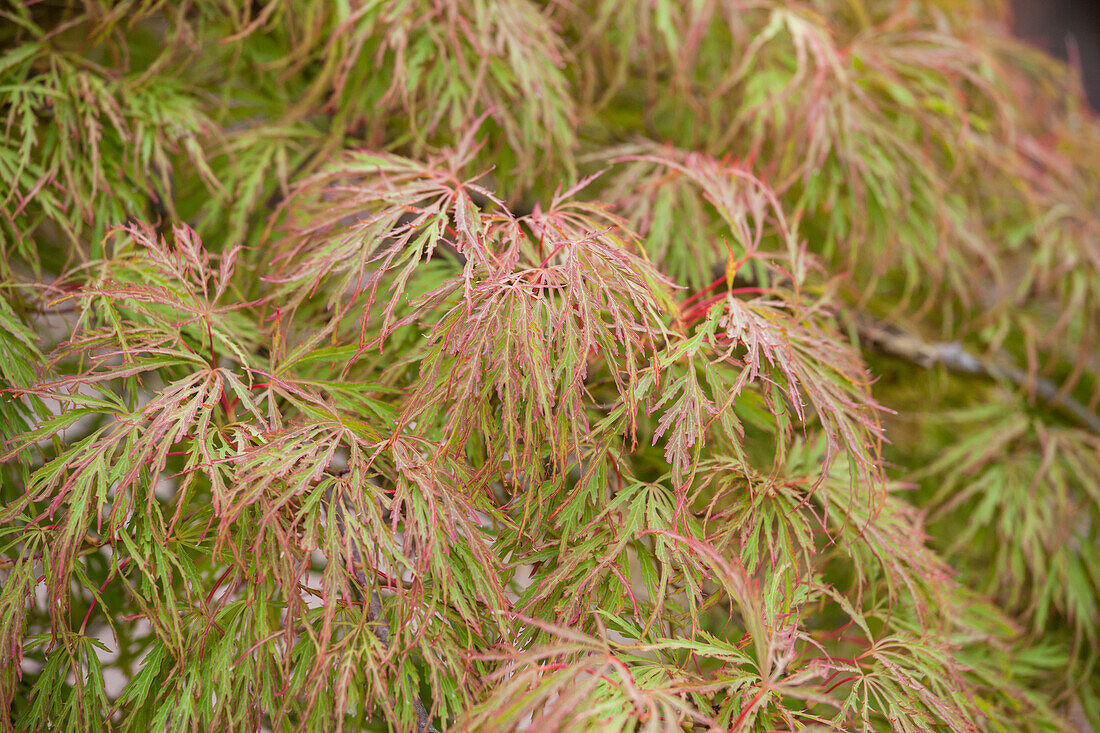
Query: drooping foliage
x=508, y=365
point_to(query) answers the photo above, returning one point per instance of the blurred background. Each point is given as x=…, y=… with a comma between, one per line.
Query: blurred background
x=1067, y=29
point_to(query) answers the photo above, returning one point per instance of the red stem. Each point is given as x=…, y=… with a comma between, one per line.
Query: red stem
x=218, y=584
x=702, y=307
x=553, y=252
x=707, y=289
x=88, y=615
x=747, y=709
x=838, y=684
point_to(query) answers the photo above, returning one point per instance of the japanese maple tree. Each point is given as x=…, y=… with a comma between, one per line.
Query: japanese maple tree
x=612, y=365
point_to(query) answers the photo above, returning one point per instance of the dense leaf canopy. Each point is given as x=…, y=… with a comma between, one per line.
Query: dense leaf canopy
x=613, y=365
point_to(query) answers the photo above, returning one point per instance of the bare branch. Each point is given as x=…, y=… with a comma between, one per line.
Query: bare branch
x=889, y=339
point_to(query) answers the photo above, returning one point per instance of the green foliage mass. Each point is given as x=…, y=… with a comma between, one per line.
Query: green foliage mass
x=613, y=365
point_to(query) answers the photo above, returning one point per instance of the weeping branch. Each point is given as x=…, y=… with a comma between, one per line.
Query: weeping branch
x=367, y=592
